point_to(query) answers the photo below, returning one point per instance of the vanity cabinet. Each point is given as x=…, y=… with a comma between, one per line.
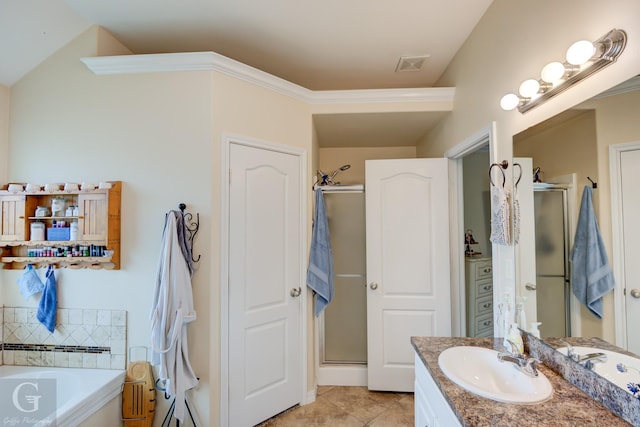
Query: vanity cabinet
x=97, y=218
x=479, y=297
x=430, y=407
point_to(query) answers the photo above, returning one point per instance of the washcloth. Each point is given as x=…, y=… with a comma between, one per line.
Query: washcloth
x=320, y=271
x=591, y=277
x=48, y=302
x=29, y=283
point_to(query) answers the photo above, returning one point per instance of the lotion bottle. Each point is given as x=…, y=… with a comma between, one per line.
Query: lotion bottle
x=515, y=337
x=534, y=329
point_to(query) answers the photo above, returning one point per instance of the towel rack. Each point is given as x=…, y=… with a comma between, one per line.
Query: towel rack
x=191, y=226
x=502, y=165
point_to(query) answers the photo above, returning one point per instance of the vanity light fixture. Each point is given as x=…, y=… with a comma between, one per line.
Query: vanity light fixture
x=583, y=59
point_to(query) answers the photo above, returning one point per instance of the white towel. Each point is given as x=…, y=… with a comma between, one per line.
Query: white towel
x=500, y=216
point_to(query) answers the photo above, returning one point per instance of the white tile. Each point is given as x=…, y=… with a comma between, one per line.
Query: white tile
x=61, y=359
x=75, y=316
x=20, y=315
x=103, y=361
x=89, y=360
x=32, y=315
x=118, y=317
x=89, y=317
x=118, y=347
x=117, y=361
x=20, y=357
x=101, y=336
x=47, y=358
x=34, y=358
x=104, y=317
x=7, y=357
x=75, y=360
x=62, y=316
x=9, y=314
x=118, y=332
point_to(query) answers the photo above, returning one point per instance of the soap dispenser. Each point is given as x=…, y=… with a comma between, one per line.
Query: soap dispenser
x=515, y=337
x=534, y=329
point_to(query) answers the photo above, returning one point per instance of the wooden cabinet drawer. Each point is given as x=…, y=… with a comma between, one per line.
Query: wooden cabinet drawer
x=484, y=288
x=484, y=324
x=484, y=271
x=484, y=306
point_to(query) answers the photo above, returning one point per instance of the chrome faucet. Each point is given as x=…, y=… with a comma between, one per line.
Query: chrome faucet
x=528, y=366
x=587, y=360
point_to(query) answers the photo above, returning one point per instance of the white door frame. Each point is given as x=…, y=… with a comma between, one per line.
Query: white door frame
x=615, y=151
x=456, y=226
x=227, y=140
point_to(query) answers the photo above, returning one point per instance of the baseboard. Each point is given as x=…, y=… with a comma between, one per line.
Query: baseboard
x=343, y=375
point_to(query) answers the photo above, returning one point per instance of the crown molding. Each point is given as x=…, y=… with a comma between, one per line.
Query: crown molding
x=211, y=61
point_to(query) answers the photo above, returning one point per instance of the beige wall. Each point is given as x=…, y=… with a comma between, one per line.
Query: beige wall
x=4, y=136
x=331, y=159
x=477, y=202
x=501, y=52
x=153, y=132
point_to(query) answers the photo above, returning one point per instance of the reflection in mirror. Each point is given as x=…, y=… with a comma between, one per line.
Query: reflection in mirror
x=566, y=152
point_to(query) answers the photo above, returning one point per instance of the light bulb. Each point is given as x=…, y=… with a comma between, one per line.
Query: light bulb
x=509, y=101
x=580, y=52
x=529, y=88
x=552, y=72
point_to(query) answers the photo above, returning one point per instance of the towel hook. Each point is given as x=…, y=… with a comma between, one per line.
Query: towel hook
x=593, y=184
x=502, y=165
x=191, y=226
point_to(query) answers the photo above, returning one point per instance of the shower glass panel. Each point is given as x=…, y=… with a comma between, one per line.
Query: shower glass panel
x=345, y=320
x=552, y=257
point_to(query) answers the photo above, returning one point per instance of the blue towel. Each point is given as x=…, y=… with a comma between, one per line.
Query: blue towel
x=48, y=302
x=29, y=283
x=320, y=271
x=591, y=276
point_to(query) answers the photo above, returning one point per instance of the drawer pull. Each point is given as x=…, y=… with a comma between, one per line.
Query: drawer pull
x=486, y=305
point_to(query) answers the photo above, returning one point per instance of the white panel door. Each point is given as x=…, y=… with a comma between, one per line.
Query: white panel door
x=264, y=267
x=408, y=272
x=630, y=176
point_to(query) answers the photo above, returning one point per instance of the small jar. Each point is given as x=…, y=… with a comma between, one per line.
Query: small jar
x=42, y=211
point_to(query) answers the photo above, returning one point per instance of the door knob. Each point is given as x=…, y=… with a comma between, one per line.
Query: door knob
x=530, y=286
x=635, y=293
x=295, y=292
x=373, y=285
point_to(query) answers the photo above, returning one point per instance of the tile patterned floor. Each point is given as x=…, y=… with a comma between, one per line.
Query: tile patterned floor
x=349, y=407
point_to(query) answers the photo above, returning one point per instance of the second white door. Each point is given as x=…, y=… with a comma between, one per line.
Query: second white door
x=408, y=294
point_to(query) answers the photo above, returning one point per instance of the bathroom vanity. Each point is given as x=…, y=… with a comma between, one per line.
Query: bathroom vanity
x=440, y=402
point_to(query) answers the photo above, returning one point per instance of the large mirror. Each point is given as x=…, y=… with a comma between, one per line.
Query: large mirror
x=565, y=154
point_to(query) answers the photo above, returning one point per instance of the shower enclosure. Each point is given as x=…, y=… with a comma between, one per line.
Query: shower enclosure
x=552, y=259
x=343, y=327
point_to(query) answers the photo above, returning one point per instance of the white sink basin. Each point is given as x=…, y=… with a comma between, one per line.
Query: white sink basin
x=479, y=371
x=608, y=369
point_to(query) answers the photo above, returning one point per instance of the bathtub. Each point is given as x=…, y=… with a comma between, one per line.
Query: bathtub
x=79, y=392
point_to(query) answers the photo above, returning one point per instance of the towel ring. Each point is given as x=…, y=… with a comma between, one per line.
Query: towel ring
x=519, y=176
x=502, y=165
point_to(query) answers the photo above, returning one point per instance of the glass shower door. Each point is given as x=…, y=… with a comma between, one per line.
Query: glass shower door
x=344, y=337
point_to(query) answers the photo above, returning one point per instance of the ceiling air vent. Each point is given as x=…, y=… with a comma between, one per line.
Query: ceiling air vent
x=411, y=63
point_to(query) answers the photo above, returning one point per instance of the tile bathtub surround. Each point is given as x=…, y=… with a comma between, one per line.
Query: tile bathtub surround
x=619, y=401
x=83, y=338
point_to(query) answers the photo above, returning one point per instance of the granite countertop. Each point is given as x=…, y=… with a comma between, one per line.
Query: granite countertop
x=569, y=406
